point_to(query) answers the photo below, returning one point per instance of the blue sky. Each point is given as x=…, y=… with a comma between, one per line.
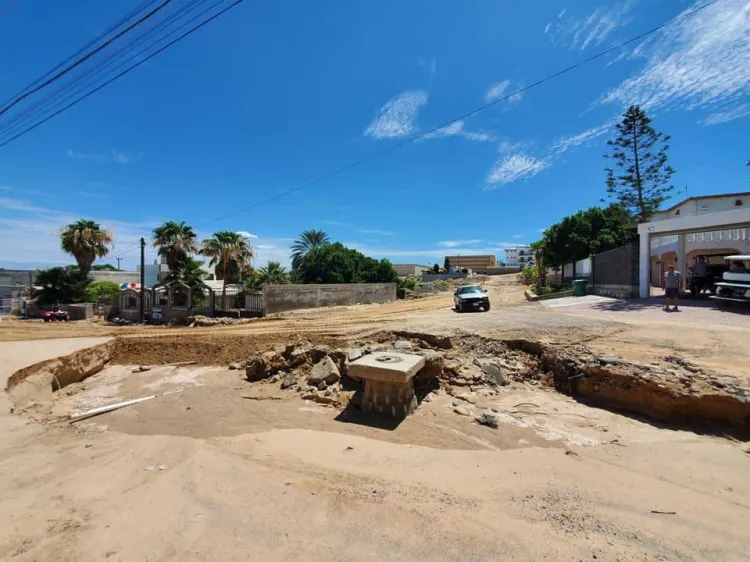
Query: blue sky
x=274, y=94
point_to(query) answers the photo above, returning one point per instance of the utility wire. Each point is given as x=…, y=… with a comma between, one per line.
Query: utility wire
x=415, y=138
x=123, y=73
x=89, y=77
x=82, y=49
x=83, y=59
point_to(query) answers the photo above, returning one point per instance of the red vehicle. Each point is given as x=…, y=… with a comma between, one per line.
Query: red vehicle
x=56, y=315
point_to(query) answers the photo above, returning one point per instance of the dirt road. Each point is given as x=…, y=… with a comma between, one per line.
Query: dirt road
x=208, y=475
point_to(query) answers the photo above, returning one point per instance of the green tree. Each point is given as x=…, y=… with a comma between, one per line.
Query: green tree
x=335, y=263
x=190, y=272
x=308, y=240
x=585, y=233
x=86, y=241
x=102, y=292
x=230, y=252
x=272, y=274
x=436, y=268
x=104, y=267
x=60, y=285
x=640, y=181
x=175, y=242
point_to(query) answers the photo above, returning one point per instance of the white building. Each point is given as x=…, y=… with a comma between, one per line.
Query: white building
x=520, y=256
x=713, y=225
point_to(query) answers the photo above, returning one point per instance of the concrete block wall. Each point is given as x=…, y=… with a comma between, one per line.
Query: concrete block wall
x=503, y=270
x=279, y=298
x=82, y=311
x=616, y=273
x=427, y=277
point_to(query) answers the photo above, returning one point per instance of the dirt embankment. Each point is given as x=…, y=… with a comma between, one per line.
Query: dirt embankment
x=676, y=391
x=36, y=383
x=680, y=394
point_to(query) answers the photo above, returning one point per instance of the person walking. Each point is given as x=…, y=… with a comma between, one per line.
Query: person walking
x=672, y=282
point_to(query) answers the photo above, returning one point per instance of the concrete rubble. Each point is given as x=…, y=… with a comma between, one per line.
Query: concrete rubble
x=473, y=369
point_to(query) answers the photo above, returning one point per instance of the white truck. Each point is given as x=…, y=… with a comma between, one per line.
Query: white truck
x=735, y=283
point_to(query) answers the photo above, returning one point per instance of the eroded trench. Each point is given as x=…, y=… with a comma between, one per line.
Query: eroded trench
x=674, y=393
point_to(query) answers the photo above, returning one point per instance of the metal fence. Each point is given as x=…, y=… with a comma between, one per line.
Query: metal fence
x=241, y=304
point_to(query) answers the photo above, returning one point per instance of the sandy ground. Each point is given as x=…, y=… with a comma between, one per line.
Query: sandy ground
x=206, y=474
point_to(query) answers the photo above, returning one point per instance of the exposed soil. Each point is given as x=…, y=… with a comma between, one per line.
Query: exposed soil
x=232, y=469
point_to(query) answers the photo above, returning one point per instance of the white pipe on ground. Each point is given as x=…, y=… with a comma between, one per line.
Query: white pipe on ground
x=111, y=407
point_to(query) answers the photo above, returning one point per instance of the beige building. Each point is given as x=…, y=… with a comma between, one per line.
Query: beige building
x=479, y=264
x=408, y=269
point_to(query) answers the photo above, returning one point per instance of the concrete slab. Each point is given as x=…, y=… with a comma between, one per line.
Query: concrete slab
x=386, y=366
x=572, y=301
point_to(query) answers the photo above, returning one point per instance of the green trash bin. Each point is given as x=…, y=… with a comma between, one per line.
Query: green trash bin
x=579, y=287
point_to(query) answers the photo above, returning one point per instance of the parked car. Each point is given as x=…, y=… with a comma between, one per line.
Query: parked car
x=471, y=297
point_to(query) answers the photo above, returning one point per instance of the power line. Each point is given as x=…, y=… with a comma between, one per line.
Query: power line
x=59, y=97
x=86, y=46
x=83, y=59
x=123, y=73
x=466, y=115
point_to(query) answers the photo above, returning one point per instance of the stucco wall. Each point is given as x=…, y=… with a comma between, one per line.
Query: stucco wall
x=705, y=206
x=279, y=298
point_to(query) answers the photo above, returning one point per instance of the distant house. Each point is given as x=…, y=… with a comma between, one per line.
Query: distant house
x=519, y=256
x=479, y=263
x=407, y=269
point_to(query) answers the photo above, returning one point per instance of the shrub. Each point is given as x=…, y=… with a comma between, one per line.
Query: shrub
x=102, y=292
x=411, y=283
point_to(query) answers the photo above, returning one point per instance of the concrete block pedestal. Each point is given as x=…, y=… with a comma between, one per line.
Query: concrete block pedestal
x=388, y=381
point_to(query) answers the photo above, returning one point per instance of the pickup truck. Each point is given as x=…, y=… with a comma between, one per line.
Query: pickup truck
x=471, y=297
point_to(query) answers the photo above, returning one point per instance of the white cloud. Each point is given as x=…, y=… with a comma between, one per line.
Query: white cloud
x=564, y=144
x=19, y=205
x=499, y=89
x=398, y=117
x=112, y=156
x=337, y=223
x=400, y=254
x=457, y=243
x=246, y=234
x=376, y=232
x=39, y=229
x=738, y=112
x=561, y=14
x=509, y=169
x=93, y=194
x=457, y=129
x=518, y=236
x=593, y=29
x=5, y=188
x=696, y=63
x=546, y=27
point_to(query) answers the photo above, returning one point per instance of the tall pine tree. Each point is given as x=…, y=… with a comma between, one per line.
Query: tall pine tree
x=640, y=178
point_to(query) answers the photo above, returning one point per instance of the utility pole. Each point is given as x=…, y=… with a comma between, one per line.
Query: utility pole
x=143, y=279
x=118, y=262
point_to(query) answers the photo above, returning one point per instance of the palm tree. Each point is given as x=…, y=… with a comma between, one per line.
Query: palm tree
x=190, y=273
x=308, y=240
x=272, y=274
x=230, y=252
x=86, y=241
x=175, y=242
x=538, y=248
